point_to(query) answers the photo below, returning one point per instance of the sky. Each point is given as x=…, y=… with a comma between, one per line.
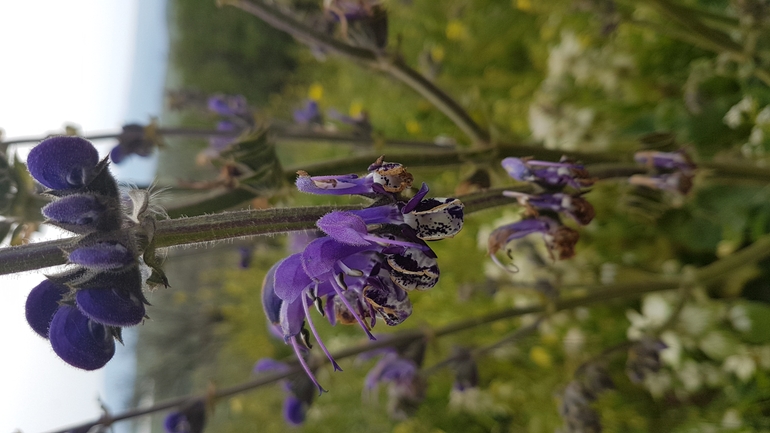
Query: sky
x=63, y=62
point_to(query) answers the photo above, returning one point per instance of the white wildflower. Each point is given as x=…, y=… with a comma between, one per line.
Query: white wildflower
x=743, y=366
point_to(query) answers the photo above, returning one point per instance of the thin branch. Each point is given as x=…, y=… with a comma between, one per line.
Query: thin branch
x=376, y=60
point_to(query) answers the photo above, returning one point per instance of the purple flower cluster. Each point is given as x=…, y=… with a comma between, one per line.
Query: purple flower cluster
x=544, y=209
x=368, y=261
x=669, y=171
x=81, y=310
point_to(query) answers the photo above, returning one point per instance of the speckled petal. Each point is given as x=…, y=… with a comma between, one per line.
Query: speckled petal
x=413, y=269
x=436, y=218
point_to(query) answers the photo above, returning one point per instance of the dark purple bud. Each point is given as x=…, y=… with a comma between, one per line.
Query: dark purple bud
x=112, y=307
x=80, y=341
x=108, y=255
x=246, y=254
x=42, y=303
x=83, y=213
x=63, y=162
x=294, y=410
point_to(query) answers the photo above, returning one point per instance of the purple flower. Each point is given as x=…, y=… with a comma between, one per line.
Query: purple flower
x=84, y=213
x=653, y=159
x=299, y=390
x=574, y=206
x=135, y=139
x=400, y=371
x=679, y=182
x=559, y=239
x=189, y=419
x=42, y=303
x=548, y=174
x=111, y=306
x=229, y=105
x=383, y=178
x=63, y=162
x=309, y=115
x=103, y=255
x=361, y=125
x=80, y=341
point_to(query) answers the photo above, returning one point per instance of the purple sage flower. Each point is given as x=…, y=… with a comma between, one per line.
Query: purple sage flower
x=63, y=162
x=309, y=115
x=229, y=105
x=383, y=178
x=80, y=341
x=400, y=371
x=103, y=255
x=42, y=303
x=678, y=160
x=548, y=174
x=559, y=239
x=189, y=419
x=574, y=206
x=135, y=139
x=84, y=213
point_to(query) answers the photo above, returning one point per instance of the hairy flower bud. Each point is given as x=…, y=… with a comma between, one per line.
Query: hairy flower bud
x=80, y=341
x=63, y=162
x=106, y=255
x=42, y=303
x=84, y=213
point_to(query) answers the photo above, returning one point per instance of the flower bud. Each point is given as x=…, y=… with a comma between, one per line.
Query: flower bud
x=110, y=306
x=106, y=255
x=42, y=303
x=80, y=341
x=63, y=162
x=83, y=213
